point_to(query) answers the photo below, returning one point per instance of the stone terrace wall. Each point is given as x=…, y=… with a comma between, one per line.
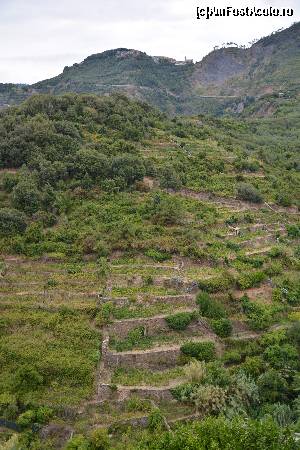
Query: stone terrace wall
x=155, y=359
x=106, y=393
x=151, y=325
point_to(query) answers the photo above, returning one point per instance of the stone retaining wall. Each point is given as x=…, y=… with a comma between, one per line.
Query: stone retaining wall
x=176, y=300
x=151, y=325
x=155, y=359
x=107, y=393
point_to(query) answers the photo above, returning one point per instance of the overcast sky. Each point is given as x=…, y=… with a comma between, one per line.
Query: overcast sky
x=39, y=37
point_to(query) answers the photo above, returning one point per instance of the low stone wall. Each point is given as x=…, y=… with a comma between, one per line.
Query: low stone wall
x=107, y=393
x=156, y=359
x=176, y=300
x=151, y=325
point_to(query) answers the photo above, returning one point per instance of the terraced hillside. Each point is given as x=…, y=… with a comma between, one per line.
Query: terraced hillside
x=149, y=285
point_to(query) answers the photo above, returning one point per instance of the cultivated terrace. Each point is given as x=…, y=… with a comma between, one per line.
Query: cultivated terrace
x=149, y=278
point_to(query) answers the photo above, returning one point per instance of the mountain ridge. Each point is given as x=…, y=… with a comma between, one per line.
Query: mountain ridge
x=221, y=82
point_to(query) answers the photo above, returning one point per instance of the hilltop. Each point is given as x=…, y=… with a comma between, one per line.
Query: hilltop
x=229, y=79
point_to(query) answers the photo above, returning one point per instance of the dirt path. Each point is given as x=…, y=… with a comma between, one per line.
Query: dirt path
x=231, y=202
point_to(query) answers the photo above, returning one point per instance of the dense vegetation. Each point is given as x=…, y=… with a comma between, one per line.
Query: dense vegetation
x=104, y=197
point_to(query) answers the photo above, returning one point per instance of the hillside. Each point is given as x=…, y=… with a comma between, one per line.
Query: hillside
x=149, y=288
x=226, y=80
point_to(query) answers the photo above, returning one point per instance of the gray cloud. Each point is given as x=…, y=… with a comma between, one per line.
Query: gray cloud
x=38, y=38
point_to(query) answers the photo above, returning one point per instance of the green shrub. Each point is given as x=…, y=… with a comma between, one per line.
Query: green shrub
x=78, y=442
x=135, y=404
x=253, y=366
x=232, y=357
x=283, y=199
x=293, y=231
x=222, y=327
x=9, y=181
x=203, y=351
x=27, y=197
x=282, y=356
x=251, y=279
x=272, y=386
x=27, y=379
x=183, y=392
x=169, y=178
x=156, y=420
x=157, y=255
x=44, y=414
x=100, y=439
x=8, y=406
x=249, y=193
x=180, y=321
x=216, y=284
x=11, y=222
x=259, y=317
x=26, y=419
x=209, y=307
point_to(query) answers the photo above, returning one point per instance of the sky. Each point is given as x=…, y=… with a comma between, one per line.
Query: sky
x=39, y=37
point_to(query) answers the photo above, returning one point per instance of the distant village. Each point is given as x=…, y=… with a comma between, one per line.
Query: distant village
x=159, y=59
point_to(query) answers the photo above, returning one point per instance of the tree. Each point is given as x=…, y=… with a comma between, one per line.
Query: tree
x=170, y=179
x=249, y=193
x=11, y=222
x=26, y=197
x=166, y=210
x=282, y=356
x=129, y=168
x=272, y=386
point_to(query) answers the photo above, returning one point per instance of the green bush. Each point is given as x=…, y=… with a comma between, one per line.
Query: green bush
x=282, y=356
x=27, y=197
x=253, y=366
x=11, y=222
x=100, y=439
x=272, y=386
x=283, y=199
x=180, y=321
x=9, y=181
x=217, y=284
x=209, y=307
x=203, y=351
x=78, y=442
x=183, y=392
x=222, y=327
x=156, y=420
x=232, y=357
x=170, y=179
x=251, y=279
x=27, y=379
x=157, y=255
x=259, y=317
x=249, y=193
x=26, y=419
x=293, y=231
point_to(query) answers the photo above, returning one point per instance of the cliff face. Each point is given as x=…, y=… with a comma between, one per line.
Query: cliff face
x=220, y=82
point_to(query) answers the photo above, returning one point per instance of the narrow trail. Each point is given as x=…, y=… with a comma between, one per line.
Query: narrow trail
x=231, y=202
